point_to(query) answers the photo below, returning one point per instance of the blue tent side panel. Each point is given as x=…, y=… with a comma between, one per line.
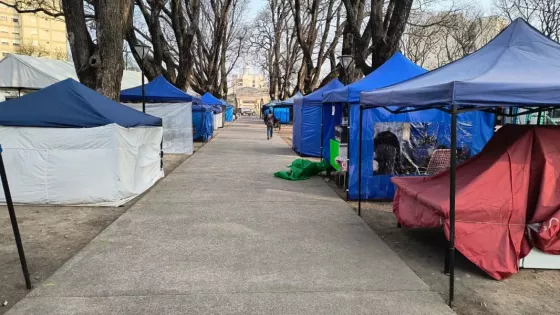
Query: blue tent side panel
x=229, y=113
x=474, y=130
x=282, y=114
x=311, y=131
x=203, y=123
x=296, y=128
x=332, y=116
x=70, y=104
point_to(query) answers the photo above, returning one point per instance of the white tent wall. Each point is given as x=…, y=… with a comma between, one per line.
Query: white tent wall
x=218, y=121
x=18, y=71
x=102, y=166
x=177, y=125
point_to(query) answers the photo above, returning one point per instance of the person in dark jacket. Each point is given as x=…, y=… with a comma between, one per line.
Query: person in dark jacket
x=269, y=125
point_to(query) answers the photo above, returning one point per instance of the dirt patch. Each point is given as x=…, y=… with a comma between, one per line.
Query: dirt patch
x=423, y=250
x=51, y=235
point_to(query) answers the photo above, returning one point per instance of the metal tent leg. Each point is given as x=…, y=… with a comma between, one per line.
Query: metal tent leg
x=452, y=182
x=360, y=166
x=13, y=219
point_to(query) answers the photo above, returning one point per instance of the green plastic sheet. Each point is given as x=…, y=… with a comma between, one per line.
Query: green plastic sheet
x=301, y=169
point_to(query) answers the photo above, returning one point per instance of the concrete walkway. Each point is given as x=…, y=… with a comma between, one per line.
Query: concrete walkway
x=221, y=235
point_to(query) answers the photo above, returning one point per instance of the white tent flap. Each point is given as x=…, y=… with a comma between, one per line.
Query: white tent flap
x=177, y=125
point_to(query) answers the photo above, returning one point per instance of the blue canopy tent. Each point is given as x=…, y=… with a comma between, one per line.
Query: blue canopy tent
x=70, y=105
x=398, y=68
x=203, y=122
x=283, y=110
x=210, y=99
x=518, y=68
x=158, y=90
x=217, y=107
x=308, y=116
x=477, y=128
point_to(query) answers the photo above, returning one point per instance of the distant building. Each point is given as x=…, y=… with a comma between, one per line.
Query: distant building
x=248, y=79
x=37, y=30
x=248, y=97
x=249, y=90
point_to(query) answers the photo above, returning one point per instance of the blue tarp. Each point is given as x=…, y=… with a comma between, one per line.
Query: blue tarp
x=203, y=122
x=69, y=104
x=308, y=115
x=421, y=133
x=229, y=113
x=397, y=69
x=520, y=66
x=157, y=91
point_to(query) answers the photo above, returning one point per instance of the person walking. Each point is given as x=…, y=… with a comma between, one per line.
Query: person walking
x=269, y=125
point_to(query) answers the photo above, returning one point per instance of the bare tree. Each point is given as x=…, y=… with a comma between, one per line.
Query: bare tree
x=542, y=14
x=314, y=21
x=274, y=44
x=96, y=52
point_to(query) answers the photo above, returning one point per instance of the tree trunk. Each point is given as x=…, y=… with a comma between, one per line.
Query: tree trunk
x=98, y=65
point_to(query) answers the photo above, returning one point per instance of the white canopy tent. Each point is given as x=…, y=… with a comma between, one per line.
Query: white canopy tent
x=19, y=73
x=177, y=125
x=68, y=145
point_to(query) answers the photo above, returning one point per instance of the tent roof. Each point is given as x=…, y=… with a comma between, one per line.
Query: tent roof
x=159, y=90
x=290, y=101
x=519, y=67
x=26, y=72
x=210, y=99
x=69, y=104
x=317, y=95
x=397, y=69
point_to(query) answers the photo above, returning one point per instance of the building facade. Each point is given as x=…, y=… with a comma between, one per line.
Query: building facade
x=34, y=32
x=249, y=91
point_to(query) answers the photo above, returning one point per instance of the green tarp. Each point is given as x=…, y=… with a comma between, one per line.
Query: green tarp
x=302, y=169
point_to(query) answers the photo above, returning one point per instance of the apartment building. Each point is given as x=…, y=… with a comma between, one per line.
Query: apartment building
x=37, y=30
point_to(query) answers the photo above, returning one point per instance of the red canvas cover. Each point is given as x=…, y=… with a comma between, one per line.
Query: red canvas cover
x=507, y=199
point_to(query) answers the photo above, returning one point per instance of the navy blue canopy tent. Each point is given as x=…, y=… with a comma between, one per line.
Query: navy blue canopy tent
x=203, y=122
x=518, y=68
x=157, y=91
x=210, y=99
x=398, y=68
x=477, y=128
x=308, y=116
x=70, y=105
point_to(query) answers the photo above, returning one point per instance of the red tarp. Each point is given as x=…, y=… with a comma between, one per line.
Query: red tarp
x=507, y=200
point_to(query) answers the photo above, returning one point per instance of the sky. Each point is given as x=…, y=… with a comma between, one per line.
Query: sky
x=256, y=5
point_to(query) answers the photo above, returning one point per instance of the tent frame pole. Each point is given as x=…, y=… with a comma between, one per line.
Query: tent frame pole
x=347, y=177
x=14, y=222
x=360, y=166
x=452, y=183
